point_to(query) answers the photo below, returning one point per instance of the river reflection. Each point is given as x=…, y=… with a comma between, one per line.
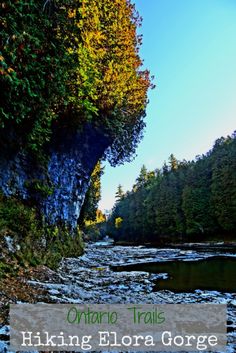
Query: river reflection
x=214, y=273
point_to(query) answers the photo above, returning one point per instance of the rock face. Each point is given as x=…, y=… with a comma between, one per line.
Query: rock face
x=72, y=157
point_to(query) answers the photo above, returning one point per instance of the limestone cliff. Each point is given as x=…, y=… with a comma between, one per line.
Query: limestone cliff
x=73, y=84
x=71, y=160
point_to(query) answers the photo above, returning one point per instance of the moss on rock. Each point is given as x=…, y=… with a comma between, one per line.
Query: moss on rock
x=26, y=240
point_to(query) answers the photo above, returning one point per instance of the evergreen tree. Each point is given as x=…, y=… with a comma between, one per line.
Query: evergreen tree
x=223, y=184
x=173, y=162
x=184, y=198
x=120, y=193
x=142, y=178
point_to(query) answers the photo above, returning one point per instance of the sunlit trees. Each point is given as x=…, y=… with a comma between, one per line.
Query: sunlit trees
x=92, y=197
x=68, y=63
x=182, y=199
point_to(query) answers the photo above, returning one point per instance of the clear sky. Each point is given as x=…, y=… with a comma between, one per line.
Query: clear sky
x=190, y=48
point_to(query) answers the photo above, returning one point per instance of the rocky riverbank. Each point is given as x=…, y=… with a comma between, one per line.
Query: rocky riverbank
x=91, y=279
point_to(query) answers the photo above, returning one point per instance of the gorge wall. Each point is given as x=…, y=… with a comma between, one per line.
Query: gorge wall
x=73, y=84
x=58, y=188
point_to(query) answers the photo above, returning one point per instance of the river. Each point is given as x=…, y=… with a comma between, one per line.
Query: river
x=137, y=274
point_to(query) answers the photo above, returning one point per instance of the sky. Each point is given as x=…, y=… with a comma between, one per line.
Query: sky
x=190, y=48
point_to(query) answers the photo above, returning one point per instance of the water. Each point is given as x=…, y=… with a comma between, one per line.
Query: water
x=90, y=279
x=214, y=273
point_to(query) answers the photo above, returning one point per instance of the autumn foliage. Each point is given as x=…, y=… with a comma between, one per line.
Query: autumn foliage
x=72, y=62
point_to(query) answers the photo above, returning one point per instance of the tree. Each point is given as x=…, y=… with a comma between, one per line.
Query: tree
x=142, y=178
x=118, y=222
x=89, y=209
x=196, y=197
x=173, y=162
x=186, y=198
x=34, y=67
x=223, y=186
x=76, y=62
x=119, y=194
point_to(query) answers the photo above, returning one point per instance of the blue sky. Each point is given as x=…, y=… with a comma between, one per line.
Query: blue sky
x=190, y=48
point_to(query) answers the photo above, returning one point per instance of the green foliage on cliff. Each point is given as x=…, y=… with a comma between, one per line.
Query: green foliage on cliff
x=183, y=199
x=65, y=63
x=26, y=241
x=93, y=195
x=33, y=71
x=92, y=220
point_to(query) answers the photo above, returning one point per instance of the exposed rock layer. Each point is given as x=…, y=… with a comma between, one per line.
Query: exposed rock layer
x=72, y=157
x=90, y=279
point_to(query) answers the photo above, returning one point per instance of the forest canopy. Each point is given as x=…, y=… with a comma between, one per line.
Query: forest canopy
x=68, y=63
x=183, y=199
